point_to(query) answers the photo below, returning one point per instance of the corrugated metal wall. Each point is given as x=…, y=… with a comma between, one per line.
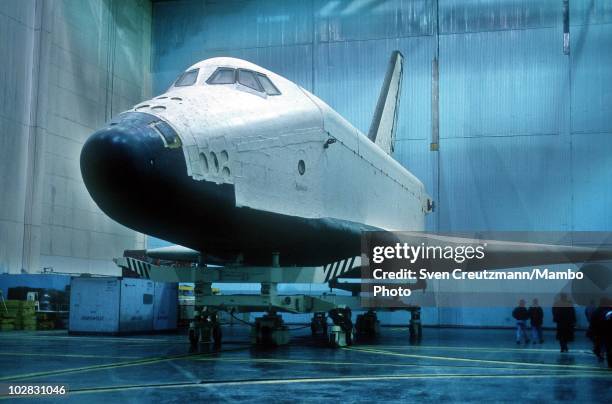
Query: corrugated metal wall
x=67, y=67
x=525, y=130
x=99, y=65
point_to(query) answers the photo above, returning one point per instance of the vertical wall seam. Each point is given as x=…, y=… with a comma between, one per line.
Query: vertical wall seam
x=568, y=120
x=112, y=48
x=313, y=47
x=33, y=126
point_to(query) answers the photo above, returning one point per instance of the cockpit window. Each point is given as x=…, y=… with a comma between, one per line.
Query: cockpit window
x=247, y=78
x=267, y=85
x=223, y=75
x=187, y=79
x=255, y=80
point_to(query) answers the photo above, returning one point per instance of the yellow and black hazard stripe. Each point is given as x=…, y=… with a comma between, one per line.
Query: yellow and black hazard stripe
x=337, y=268
x=140, y=267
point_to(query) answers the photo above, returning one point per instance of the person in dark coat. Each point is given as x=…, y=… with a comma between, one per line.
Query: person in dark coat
x=521, y=315
x=588, y=313
x=589, y=310
x=607, y=332
x=601, y=328
x=564, y=315
x=536, y=318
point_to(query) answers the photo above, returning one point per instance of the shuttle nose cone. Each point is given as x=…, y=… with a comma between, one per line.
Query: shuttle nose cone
x=118, y=164
x=115, y=156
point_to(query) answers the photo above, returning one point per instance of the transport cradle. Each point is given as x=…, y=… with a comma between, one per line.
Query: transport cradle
x=331, y=311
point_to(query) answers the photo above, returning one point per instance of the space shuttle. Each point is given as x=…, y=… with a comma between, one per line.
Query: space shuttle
x=236, y=164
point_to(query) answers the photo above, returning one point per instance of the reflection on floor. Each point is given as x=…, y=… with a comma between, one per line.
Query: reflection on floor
x=449, y=365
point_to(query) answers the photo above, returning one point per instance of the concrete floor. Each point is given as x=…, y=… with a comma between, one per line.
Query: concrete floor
x=449, y=365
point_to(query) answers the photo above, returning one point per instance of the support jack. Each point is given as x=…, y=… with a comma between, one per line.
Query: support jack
x=415, y=326
x=341, y=333
x=318, y=325
x=367, y=325
x=205, y=328
x=270, y=330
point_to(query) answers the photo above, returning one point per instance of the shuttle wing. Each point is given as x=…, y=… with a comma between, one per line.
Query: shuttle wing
x=174, y=253
x=499, y=254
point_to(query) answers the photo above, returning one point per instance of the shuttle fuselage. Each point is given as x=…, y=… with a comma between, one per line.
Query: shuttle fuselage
x=239, y=163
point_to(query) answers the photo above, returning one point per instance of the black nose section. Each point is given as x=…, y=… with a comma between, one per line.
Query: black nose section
x=119, y=162
x=118, y=155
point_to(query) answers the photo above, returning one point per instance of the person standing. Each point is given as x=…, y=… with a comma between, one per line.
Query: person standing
x=589, y=310
x=601, y=329
x=607, y=333
x=564, y=315
x=521, y=315
x=536, y=318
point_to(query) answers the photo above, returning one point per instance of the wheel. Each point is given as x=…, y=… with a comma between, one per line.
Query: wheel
x=349, y=337
x=333, y=340
x=265, y=334
x=193, y=336
x=217, y=334
x=413, y=332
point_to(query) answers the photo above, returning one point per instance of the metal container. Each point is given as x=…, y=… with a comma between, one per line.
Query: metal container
x=111, y=305
x=136, y=307
x=165, y=307
x=94, y=305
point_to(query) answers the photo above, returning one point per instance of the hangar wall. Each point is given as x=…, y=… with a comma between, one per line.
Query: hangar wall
x=67, y=66
x=525, y=129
